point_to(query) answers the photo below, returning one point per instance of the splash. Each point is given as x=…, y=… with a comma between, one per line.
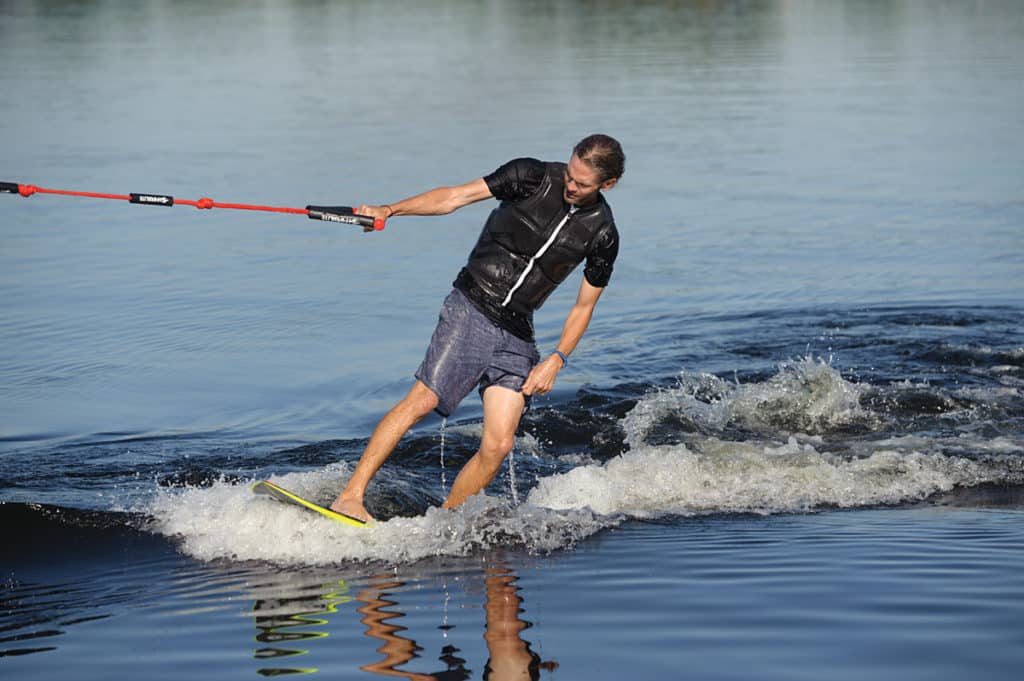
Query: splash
x=800, y=441
x=226, y=521
x=805, y=396
x=739, y=477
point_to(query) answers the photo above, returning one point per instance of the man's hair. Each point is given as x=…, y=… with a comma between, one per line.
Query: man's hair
x=603, y=154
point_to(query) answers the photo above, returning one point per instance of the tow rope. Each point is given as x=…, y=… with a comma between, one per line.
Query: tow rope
x=343, y=214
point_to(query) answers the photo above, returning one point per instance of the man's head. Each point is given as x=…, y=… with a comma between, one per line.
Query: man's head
x=596, y=164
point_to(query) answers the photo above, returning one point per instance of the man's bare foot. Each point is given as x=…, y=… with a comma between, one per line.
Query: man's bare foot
x=352, y=508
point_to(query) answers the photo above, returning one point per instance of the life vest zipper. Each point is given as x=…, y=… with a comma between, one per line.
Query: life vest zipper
x=538, y=254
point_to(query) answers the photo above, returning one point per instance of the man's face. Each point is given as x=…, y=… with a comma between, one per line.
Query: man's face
x=582, y=183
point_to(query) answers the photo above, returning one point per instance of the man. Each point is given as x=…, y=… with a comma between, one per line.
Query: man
x=552, y=216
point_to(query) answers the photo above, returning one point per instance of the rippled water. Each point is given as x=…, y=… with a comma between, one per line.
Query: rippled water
x=792, y=440
x=915, y=593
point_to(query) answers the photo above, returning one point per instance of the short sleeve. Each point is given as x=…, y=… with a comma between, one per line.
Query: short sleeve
x=516, y=180
x=601, y=259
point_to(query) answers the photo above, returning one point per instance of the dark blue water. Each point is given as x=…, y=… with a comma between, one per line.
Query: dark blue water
x=791, y=444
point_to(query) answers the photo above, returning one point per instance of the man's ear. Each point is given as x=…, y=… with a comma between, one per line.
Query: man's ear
x=608, y=184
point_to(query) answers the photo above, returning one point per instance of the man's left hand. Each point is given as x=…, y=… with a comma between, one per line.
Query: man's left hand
x=542, y=377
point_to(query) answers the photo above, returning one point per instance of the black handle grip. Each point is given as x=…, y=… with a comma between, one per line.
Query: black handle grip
x=9, y=188
x=345, y=215
x=151, y=199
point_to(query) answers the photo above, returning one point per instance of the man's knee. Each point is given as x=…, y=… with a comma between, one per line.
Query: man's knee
x=496, y=447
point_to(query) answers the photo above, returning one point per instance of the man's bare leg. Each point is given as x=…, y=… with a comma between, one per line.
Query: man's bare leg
x=503, y=407
x=418, y=402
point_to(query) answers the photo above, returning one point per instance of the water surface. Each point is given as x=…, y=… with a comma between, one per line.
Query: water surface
x=792, y=440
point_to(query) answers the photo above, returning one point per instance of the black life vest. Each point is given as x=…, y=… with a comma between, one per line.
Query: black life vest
x=527, y=248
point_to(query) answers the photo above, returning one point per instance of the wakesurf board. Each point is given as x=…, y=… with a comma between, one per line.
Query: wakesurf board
x=281, y=494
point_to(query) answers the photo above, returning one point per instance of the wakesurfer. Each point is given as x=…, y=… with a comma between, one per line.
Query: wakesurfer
x=551, y=217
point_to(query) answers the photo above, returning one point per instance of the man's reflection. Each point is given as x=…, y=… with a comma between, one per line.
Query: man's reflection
x=283, y=622
x=510, y=656
x=397, y=650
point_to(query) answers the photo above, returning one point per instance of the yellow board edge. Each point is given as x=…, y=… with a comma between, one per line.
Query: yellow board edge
x=281, y=494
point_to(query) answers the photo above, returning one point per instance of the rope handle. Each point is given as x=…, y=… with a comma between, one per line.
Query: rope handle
x=341, y=214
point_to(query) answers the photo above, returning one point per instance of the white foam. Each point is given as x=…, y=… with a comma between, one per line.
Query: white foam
x=787, y=469
x=754, y=478
x=805, y=396
x=712, y=410
x=961, y=443
x=227, y=521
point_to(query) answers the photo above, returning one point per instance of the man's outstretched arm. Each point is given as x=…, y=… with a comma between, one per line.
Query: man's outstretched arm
x=437, y=201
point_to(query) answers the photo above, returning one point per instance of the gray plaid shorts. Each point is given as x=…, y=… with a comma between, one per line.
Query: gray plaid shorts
x=467, y=350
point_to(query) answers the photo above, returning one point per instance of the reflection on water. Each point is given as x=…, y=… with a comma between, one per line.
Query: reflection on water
x=826, y=593
x=278, y=618
x=510, y=655
x=378, y=610
x=287, y=624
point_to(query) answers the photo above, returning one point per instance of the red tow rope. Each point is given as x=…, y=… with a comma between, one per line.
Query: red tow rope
x=342, y=214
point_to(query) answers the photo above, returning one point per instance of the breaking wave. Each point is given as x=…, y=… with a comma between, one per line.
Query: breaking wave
x=736, y=477
x=802, y=439
x=226, y=521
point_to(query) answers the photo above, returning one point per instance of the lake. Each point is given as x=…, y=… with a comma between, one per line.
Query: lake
x=790, y=445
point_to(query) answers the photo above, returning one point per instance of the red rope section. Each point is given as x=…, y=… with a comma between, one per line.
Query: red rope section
x=338, y=214
x=210, y=203
x=204, y=203
x=29, y=190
